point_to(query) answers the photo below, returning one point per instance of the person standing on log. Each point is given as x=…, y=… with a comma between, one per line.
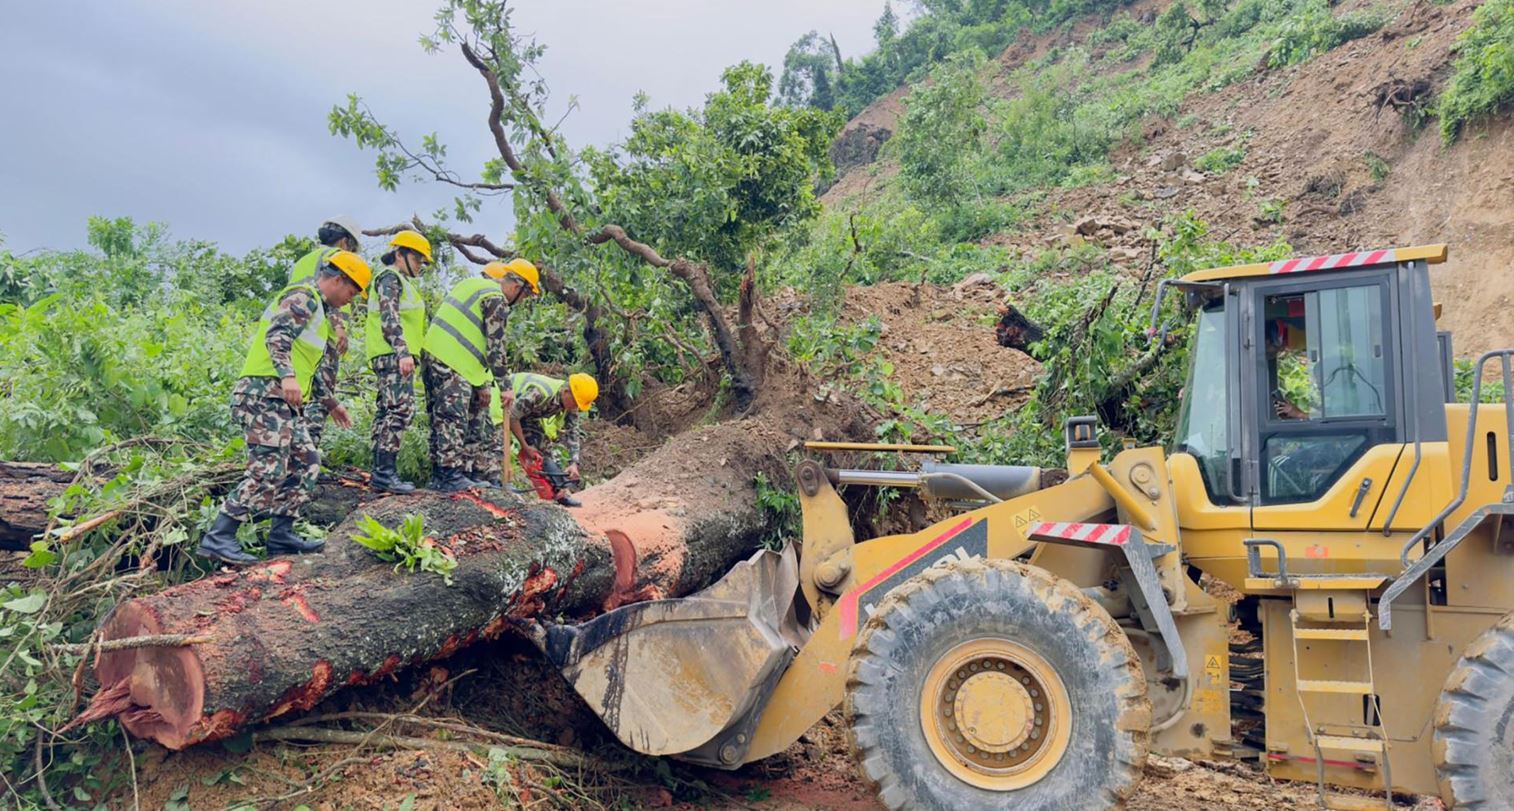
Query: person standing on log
x=287, y=356
x=539, y=402
x=396, y=331
x=464, y=353
x=335, y=234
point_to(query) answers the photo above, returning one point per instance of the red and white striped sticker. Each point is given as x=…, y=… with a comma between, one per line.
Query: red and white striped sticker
x=1333, y=262
x=1114, y=534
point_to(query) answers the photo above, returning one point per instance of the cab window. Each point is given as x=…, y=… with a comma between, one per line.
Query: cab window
x=1326, y=378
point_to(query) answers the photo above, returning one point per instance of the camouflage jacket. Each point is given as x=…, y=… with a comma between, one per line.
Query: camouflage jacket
x=496, y=315
x=387, y=288
x=535, y=404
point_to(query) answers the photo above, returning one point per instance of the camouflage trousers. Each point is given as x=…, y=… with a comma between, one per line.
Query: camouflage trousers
x=486, y=446
x=283, y=460
x=396, y=404
x=456, y=416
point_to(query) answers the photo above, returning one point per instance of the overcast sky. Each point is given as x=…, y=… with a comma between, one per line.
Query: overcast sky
x=211, y=116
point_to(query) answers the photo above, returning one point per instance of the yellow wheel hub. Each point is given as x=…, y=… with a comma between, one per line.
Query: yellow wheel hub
x=995, y=714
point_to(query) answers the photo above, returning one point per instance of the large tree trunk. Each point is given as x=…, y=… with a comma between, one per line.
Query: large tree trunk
x=280, y=636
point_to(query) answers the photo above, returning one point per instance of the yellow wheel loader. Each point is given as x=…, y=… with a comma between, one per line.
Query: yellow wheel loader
x=1031, y=651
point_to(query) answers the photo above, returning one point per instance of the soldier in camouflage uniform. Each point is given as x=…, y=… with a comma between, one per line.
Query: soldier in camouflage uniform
x=539, y=402
x=335, y=234
x=464, y=353
x=396, y=332
x=287, y=356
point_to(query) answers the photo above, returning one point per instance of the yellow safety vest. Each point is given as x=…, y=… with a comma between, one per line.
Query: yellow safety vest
x=304, y=269
x=412, y=318
x=456, y=335
x=308, y=347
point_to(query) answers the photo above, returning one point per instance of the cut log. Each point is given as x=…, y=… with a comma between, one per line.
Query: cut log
x=286, y=633
x=25, y=490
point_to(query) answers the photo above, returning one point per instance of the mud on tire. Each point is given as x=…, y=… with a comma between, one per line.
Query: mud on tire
x=1473, y=748
x=966, y=603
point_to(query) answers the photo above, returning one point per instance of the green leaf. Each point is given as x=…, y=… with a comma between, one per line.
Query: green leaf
x=41, y=555
x=30, y=604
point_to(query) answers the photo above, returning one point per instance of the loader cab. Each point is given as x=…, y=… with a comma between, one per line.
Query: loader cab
x=1300, y=369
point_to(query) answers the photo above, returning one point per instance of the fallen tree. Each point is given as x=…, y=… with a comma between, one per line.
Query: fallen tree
x=279, y=637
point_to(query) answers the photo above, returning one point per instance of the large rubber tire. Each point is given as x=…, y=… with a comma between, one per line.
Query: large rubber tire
x=1474, y=724
x=974, y=602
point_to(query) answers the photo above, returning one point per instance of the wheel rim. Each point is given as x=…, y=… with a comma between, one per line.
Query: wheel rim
x=995, y=714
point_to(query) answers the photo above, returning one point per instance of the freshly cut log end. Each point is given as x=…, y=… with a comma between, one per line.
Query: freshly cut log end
x=163, y=688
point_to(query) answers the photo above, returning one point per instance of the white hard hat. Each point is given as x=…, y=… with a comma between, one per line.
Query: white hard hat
x=347, y=224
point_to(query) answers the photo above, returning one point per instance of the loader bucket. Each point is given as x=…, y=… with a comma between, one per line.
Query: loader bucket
x=689, y=676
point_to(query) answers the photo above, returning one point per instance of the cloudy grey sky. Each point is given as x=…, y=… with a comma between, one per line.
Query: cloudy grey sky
x=211, y=116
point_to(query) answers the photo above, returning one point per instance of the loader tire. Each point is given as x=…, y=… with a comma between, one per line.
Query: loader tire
x=1050, y=692
x=1473, y=749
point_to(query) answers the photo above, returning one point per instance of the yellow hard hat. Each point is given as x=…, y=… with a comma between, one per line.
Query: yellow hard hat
x=353, y=266
x=585, y=389
x=413, y=240
x=518, y=266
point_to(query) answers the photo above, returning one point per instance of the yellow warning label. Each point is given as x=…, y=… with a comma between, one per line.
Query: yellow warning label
x=1023, y=519
x=1212, y=662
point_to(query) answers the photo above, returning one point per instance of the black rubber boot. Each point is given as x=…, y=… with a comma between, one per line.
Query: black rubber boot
x=449, y=480
x=386, y=477
x=567, y=500
x=485, y=482
x=283, y=540
x=220, y=543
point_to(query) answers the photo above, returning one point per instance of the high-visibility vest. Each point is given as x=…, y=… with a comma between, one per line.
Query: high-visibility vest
x=456, y=335
x=520, y=382
x=305, y=268
x=412, y=317
x=309, y=345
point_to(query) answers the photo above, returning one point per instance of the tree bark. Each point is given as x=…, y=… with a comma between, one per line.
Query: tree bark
x=25, y=490
x=283, y=635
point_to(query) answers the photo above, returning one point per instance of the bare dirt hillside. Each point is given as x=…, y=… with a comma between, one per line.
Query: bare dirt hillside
x=1335, y=139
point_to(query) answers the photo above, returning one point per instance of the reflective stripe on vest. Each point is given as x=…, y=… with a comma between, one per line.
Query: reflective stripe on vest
x=412, y=318
x=304, y=269
x=456, y=335
x=552, y=387
x=309, y=345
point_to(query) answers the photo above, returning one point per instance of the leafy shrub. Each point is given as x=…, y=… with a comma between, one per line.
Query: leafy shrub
x=1220, y=161
x=1377, y=166
x=407, y=546
x=1483, y=81
x=1312, y=30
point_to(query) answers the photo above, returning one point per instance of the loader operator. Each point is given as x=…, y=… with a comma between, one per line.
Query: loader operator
x=464, y=353
x=395, y=332
x=538, y=400
x=335, y=234
x=287, y=356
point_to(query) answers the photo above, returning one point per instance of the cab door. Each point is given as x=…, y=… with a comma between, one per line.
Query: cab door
x=1326, y=426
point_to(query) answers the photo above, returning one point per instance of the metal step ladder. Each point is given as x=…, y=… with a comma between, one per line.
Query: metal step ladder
x=1359, y=742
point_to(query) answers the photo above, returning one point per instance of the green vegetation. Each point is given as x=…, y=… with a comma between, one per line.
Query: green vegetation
x=1483, y=81
x=1377, y=166
x=1220, y=161
x=1313, y=29
x=406, y=546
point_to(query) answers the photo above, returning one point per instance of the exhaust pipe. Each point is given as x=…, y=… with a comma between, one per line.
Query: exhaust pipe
x=951, y=481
